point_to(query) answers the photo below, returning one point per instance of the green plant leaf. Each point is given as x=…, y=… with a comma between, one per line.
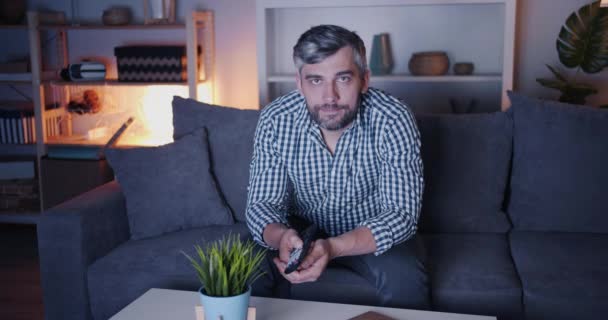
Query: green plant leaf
x=552, y=83
x=227, y=266
x=583, y=40
x=557, y=73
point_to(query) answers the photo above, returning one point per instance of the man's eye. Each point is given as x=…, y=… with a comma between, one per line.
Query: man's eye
x=344, y=79
x=315, y=81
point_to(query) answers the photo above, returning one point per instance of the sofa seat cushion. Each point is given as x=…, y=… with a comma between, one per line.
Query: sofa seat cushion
x=564, y=275
x=559, y=177
x=130, y=270
x=231, y=134
x=474, y=274
x=466, y=168
x=338, y=285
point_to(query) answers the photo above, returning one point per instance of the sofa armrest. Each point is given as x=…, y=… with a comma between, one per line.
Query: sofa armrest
x=71, y=236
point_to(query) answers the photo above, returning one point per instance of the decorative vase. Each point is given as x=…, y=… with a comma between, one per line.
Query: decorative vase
x=228, y=308
x=381, y=60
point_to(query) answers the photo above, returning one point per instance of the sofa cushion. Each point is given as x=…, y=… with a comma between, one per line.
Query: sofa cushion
x=138, y=265
x=473, y=273
x=231, y=134
x=170, y=187
x=564, y=275
x=466, y=167
x=560, y=171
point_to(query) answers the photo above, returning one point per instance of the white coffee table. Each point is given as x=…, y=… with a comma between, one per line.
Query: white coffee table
x=157, y=304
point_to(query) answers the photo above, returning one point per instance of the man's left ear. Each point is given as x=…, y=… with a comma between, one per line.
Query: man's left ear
x=365, y=84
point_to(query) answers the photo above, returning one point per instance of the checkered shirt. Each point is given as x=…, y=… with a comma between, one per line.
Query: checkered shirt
x=374, y=179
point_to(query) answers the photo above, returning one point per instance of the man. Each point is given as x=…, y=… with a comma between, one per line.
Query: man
x=349, y=157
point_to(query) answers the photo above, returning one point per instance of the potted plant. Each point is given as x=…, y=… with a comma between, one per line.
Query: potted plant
x=226, y=269
x=582, y=44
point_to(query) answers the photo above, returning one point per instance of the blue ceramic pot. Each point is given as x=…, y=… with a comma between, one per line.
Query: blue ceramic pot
x=228, y=308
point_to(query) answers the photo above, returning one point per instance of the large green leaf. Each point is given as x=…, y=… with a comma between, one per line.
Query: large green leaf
x=583, y=40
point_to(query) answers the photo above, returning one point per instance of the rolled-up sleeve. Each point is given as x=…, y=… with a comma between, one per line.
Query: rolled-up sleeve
x=267, y=183
x=401, y=184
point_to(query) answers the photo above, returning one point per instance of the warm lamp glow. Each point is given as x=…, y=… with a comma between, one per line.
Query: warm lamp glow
x=155, y=114
x=205, y=92
x=604, y=3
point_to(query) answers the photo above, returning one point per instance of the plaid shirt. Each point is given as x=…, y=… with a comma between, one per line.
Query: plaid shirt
x=374, y=179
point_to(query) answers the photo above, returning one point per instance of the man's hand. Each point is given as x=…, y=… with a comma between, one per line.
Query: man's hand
x=355, y=242
x=289, y=241
x=312, y=266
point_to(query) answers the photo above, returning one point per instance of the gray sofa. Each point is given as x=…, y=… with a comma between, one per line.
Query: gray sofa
x=514, y=220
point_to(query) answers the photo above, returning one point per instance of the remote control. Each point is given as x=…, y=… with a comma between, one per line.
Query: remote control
x=297, y=255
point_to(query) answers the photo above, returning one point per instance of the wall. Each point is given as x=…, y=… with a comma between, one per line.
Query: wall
x=539, y=22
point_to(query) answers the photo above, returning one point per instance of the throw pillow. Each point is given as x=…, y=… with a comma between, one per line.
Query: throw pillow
x=560, y=167
x=169, y=188
x=231, y=134
x=466, y=167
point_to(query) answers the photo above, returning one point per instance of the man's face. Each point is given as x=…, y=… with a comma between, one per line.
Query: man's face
x=332, y=88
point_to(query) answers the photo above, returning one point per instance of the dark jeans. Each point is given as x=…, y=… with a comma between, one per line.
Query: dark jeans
x=398, y=275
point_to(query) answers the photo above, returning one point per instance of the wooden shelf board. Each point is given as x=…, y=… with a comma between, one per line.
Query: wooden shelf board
x=75, y=141
x=13, y=26
x=16, y=77
x=112, y=82
x=409, y=78
x=19, y=217
x=108, y=27
x=278, y=4
x=28, y=149
x=15, y=82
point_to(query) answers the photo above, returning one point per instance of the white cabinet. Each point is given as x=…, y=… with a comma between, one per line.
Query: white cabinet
x=478, y=31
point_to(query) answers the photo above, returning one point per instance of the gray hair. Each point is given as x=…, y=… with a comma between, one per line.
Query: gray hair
x=322, y=41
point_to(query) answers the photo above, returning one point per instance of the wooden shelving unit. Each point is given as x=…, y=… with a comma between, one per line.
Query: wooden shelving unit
x=198, y=24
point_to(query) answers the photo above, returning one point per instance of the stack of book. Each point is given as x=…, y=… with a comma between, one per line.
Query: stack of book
x=17, y=125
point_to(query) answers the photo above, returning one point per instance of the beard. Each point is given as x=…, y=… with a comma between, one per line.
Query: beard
x=336, y=122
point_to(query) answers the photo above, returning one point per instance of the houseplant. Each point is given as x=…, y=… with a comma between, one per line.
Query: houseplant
x=582, y=44
x=226, y=269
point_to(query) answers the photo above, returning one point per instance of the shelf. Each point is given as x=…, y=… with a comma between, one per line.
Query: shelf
x=18, y=149
x=20, y=217
x=24, y=77
x=409, y=78
x=273, y=4
x=16, y=77
x=113, y=82
x=13, y=26
x=76, y=141
x=107, y=27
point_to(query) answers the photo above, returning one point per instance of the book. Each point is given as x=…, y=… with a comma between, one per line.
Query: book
x=15, y=126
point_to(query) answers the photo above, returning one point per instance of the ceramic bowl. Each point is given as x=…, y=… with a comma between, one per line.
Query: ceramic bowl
x=116, y=16
x=431, y=63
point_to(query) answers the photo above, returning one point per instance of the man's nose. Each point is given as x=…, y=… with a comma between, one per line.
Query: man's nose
x=330, y=92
